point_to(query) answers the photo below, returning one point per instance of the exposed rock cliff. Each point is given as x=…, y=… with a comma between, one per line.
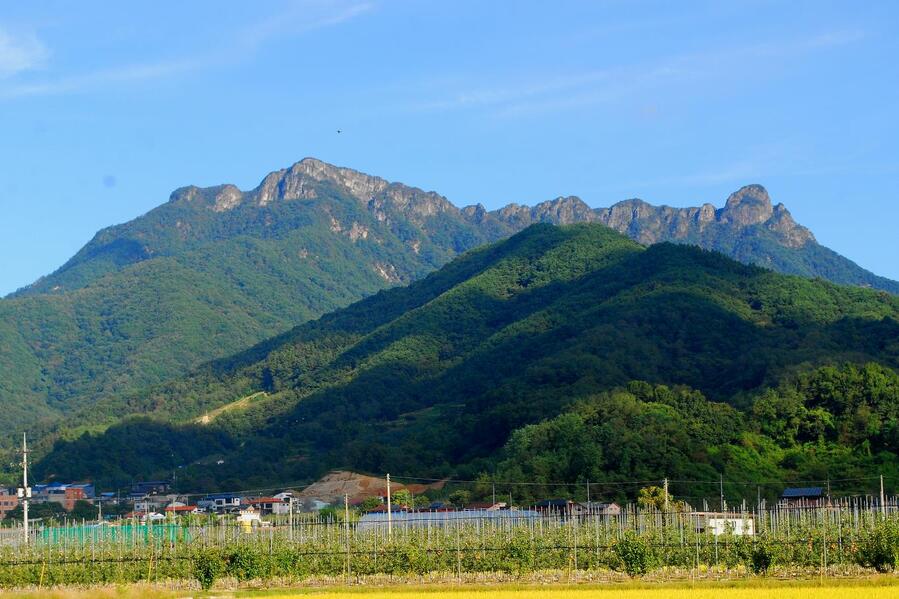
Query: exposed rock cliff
x=747, y=207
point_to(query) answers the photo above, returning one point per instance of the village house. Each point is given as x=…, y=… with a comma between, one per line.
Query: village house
x=560, y=507
x=719, y=523
x=65, y=494
x=249, y=518
x=486, y=506
x=803, y=497
x=603, y=508
x=107, y=498
x=181, y=510
x=286, y=495
x=222, y=503
x=8, y=501
x=156, y=503
x=268, y=505
x=144, y=517
x=142, y=489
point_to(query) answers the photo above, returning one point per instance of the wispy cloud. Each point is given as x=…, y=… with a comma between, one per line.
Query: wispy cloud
x=298, y=18
x=20, y=52
x=556, y=93
x=100, y=78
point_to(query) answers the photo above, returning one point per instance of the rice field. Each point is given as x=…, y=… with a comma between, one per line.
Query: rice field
x=658, y=593
x=881, y=588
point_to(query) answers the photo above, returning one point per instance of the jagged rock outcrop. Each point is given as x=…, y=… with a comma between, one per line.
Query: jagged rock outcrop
x=750, y=206
x=747, y=207
x=560, y=211
x=749, y=227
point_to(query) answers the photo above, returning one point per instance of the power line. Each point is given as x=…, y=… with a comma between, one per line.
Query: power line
x=715, y=482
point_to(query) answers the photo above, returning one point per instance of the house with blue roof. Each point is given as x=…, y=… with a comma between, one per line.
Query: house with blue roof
x=803, y=497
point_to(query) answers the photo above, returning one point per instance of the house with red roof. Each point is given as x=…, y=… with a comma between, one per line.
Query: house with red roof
x=265, y=506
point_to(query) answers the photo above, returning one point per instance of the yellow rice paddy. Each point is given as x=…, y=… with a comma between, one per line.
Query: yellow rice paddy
x=660, y=593
x=884, y=589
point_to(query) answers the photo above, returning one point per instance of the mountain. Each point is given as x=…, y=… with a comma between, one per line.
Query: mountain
x=207, y=274
x=216, y=270
x=749, y=228
x=438, y=376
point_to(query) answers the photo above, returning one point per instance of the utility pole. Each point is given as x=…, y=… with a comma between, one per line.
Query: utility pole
x=666, y=494
x=494, y=492
x=346, y=524
x=25, y=492
x=883, y=507
x=721, y=487
x=389, y=510
x=290, y=518
x=588, y=493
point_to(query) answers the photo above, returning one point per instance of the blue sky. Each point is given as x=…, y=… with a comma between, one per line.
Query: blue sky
x=106, y=107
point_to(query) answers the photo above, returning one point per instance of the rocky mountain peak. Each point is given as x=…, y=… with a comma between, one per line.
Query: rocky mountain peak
x=359, y=184
x=298, y=182
x=226, y=198
x=184, y=194
x=565, y=210
x=560, y=211
x=219, y=198
x=749, y=205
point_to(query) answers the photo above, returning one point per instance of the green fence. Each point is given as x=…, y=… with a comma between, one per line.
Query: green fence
x=127, y=534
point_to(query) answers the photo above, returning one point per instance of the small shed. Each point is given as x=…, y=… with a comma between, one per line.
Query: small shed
x=603, y=508
x=803, y=497
x=486, y=506
x=560, y=507
x=720, y=523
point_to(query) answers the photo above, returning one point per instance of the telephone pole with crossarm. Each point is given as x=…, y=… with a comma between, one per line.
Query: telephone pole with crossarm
x=24, y=492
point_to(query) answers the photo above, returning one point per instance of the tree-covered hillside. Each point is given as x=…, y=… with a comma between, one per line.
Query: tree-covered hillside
x=437, y=376
x=204, y=276
x=214, y=271
x=835, y=424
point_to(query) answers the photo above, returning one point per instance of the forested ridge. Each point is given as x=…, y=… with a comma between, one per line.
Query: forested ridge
x=216, y=270
x=516, y=353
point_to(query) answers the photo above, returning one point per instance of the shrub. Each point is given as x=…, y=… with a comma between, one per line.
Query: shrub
x=879, y=549
x=245, y=563
x=208, y=565
x=634, y=554
x=761, y=558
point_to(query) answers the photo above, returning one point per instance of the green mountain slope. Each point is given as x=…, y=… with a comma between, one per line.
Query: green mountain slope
x=437, y=375
x=209, y=273
x=216, y=270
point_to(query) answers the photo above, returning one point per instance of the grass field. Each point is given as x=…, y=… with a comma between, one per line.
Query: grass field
x=879, y=588
x=661, y=593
